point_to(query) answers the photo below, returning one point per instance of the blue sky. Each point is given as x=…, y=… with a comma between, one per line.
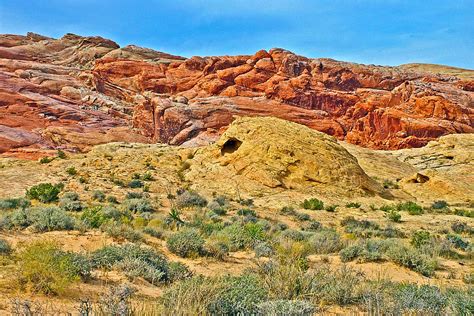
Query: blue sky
x=385, y=32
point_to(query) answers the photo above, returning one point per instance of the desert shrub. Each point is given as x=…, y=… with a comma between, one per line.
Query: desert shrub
x=367, y=229
x=138, y=205
x=312, y=204
x=44, y=267
x=45, y=160
x=412, y=259
x=291, y=234
x=263, y=249
x=387, y=208
x=423, y=299
x=302, y=217
x=286, y=308
x=240, y=236
x=330, y=208
x=44, y=192
x=353, y=205
x=133, y=260
x=457, y=241
x=137, y=267
x=20, y=218
x=112, y=199
x=420, y=238
x=246, y=212
x=191, y=296
x=217, y=208
x=71, y=171
x=389, y=184
x=239, y=296
x=366, y=251
x=461, y=302
x=186, y=243
x=5, y=248
x=45, y=219
x=147, y=176
x=411, y=207
x=10, y=204
x=134, y=195
x=465, y=213
x=116, y=302
x=287, y=210
x=98, y=195
x=217, y=246
x=122, y=232
x=70, y=202
x=246, y=202
x=460, y=227
x=61, y=154
x=438, y=205
x=394, y=216
x=190, y=199
x=94, y=216
x=313, y=226
x=178, y=271
x=135, y=183
x=153, y=232
x=338, y=286
x=325, y=241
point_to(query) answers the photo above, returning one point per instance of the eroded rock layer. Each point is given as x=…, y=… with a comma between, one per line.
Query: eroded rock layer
x=76, y=91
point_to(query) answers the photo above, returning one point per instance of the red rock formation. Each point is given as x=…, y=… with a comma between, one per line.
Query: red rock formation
x=78, y=91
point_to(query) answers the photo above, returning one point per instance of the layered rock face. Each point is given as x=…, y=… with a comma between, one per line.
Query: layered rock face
x=75, y=92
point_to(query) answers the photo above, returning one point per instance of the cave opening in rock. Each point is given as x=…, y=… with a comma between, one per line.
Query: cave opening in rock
x=230, y=146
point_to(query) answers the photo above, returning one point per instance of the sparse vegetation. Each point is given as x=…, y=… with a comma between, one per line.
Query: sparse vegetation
x=186, y=243
x=44, y=192
x=313, y=204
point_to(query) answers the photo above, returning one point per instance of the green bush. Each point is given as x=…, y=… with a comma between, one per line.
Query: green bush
x=367, y=229
x=239, y=236
x=313, y=204
x=45, y=219
x=96, y=216
x=423, y=300
x=330, y=208
x=302, y=217
x=112, y=199
x=10, y=204
x=44, y=267
x=190, y=199
x=325, y=241
x=186, y=243
x=369, y=250
x=44, y=192
x=411, y=207
x=394, y=216
x=459, y=228
x=291, y=234
x=45, y=160
x=286, y=308
x=462, y=212
x=71, y=171
x=147, y=176
x=5, y=248
x=420, y=238
x=353, y=205
x=263, y=249
x=217, y=246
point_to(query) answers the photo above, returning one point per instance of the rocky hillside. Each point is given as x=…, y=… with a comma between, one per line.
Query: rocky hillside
x=75, y=92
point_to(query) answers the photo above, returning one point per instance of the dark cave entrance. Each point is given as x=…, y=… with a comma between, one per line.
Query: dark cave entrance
x=231, y=145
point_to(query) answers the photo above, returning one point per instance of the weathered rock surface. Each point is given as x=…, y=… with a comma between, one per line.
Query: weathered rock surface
x=268, y=154
x=76, y=91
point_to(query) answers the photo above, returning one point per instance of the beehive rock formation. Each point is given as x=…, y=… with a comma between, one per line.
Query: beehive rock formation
x=260, y=153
